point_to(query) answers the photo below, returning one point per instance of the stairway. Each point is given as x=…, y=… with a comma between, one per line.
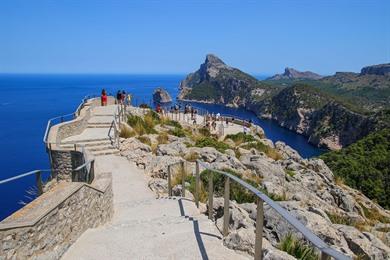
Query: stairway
x=95, y=137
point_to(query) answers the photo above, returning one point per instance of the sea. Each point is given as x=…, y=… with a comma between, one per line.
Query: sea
x=30, y=100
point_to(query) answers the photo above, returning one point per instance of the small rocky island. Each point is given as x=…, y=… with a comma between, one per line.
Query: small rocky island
x=160, y=95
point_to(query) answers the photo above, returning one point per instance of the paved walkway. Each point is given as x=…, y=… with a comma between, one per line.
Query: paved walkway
x=144, y=227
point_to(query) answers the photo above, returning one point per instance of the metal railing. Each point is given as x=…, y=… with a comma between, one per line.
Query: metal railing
x=326, y=251
x=87, y=168
x=119, y=117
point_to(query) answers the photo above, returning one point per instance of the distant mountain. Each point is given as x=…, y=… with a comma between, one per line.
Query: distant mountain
x=381, y=69
x=290, y=73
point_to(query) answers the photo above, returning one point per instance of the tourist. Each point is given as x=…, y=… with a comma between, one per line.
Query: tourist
x=123, y=97
x=214, y=125
x=218, y=116
x=158, y=108
x=103, y=98
x=227, y=121
x=118, y=97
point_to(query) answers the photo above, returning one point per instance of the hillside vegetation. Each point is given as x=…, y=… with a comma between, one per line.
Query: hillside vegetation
x=365, y=165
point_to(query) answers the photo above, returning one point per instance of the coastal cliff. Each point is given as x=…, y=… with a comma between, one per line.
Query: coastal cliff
x=327, y=120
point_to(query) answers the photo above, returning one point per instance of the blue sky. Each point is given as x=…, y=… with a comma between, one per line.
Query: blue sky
x=259, y=37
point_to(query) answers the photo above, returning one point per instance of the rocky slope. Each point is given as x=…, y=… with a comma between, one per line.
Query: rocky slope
x=341, y=216
x=160, y=95
x=290, y=73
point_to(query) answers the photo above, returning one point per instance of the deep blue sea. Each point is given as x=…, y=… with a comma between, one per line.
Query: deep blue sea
x=28, y=101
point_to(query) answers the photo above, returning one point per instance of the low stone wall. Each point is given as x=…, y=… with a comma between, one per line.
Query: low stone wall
x=46, y=227
x=63, y=162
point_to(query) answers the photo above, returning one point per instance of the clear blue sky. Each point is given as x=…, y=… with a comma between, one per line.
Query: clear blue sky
x=261, y=37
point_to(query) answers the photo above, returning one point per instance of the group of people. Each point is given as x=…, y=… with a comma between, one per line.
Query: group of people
x=121, y=97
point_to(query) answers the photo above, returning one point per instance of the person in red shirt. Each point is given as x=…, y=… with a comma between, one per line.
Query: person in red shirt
x=104, y=98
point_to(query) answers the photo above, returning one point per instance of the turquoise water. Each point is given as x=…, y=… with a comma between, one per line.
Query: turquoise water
x=28, y=101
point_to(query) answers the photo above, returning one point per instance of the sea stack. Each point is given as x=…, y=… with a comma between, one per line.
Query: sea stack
x=160, y=95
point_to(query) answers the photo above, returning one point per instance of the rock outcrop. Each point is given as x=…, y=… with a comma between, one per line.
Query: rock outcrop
x=160, y=95
x=290, y=73
x=380, y=69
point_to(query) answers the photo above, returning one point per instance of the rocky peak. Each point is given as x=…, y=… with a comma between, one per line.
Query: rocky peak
x=212, y=66
x=290, y=73
x=380, y=69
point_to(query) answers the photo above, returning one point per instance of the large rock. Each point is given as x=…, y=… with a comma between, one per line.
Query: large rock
x=176, y=148
x=158, y=167
x=364, y=244
x=160, y=95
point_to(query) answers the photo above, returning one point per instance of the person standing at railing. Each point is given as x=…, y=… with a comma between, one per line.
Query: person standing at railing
x=118, y=97
x=103, y=98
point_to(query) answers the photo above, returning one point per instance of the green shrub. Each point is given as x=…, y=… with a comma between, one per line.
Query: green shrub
x=172, y=123
x=139, y=125
x=144, y=106
x=179, y=132
x=365, y=165
x=211, y=142
x=297, y=248
x=204, y=132
x=240, y=138
x=289, y=172
x=269, y=151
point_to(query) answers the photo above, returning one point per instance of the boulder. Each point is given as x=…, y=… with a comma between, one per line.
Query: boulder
x=158, y=185
x=176, y=148
x=287, y=152
x=158, y=167
x=160, y=95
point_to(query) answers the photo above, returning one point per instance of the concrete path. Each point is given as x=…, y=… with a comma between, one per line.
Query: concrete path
x=143, y=227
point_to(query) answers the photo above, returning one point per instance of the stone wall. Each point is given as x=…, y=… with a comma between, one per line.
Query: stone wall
x=50, y=224
x=63, y=162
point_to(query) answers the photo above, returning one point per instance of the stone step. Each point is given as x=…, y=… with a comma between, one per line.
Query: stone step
x=98, y=125
x=106, y=152
x=87, y=141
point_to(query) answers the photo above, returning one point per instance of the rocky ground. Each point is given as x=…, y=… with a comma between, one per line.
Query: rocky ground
x=343, y=217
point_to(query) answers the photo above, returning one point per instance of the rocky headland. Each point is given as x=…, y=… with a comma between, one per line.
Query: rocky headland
x=307, y=188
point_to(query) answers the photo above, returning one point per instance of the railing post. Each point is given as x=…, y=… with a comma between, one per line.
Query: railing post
x=226, y=208
x=197, y=184
x=211, y=190
x=324, y=256
x=91, y=174
x=259, y=230
x=38, y=179
x=183, y=179
x=169, y=182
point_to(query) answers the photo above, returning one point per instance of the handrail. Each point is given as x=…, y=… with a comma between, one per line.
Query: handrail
x=326, y=251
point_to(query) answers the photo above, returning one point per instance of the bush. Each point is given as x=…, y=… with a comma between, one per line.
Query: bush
x=179, y=132
x=269, y=151
x=297, y=248
x=139, y=125
x=211, y=142
x=172, y=123
x=204, y=132
x=240, y=138
x=365, y=165
x=144, y=106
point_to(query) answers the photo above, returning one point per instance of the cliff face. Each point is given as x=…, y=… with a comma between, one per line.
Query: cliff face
x=381, y=69
x=290, y=73
x=311, y=111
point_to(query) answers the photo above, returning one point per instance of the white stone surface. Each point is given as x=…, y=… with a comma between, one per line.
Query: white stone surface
x=144, y=227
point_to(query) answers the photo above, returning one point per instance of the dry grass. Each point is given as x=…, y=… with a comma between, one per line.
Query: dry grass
x=126, y=132
x=339, y=180
x=145, y=140
x=191, y=157
x=162, y=138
